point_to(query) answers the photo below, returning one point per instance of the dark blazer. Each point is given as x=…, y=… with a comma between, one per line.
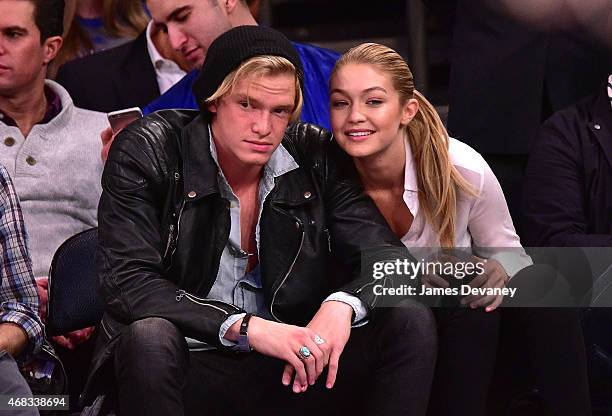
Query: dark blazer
x=114, y=79
x=567, y=188
x=508, y=77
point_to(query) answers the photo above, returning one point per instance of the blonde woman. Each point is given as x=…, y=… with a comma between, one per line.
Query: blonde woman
x=102, y=24
x=433, y=191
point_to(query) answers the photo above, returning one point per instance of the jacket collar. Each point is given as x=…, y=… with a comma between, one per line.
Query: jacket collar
x=200, y=168
x=601, y=123
x=280, y=162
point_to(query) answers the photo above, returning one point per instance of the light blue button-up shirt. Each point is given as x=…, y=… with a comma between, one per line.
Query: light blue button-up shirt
x=233, y=284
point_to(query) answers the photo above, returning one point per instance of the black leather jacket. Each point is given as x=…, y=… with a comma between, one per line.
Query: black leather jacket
x=163, y=226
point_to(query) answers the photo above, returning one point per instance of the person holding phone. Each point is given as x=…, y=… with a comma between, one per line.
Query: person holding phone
x=49, y=147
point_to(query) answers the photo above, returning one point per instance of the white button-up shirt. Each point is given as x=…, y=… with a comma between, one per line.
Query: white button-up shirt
x=167, y=71
x=482, y=222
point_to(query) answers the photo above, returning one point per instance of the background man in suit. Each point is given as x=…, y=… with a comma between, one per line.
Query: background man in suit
x=513, y=65
x=129, y=75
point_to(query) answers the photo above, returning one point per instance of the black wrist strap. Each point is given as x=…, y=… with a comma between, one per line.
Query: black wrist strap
x=244, y=326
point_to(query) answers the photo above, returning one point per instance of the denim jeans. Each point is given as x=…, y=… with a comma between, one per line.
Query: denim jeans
x=13, y=384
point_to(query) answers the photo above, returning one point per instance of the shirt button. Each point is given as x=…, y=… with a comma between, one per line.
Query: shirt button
x=9, y=141
x=192, y=194
x=307, y=194
x=30, y=160
x=597, y=126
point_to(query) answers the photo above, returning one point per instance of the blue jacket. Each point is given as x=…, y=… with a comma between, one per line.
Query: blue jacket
x=318, y=64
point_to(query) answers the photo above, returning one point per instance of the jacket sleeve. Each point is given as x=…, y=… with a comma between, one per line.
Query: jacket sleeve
x=132, y=244
x=360, y=236
x=553, y=193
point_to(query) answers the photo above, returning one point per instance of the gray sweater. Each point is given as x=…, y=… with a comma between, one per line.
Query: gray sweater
x=56, y=171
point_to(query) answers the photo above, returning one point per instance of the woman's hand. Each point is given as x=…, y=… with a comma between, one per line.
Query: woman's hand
x=332, y=325
x=433, y=280
x=284, y=341
x=494, y=276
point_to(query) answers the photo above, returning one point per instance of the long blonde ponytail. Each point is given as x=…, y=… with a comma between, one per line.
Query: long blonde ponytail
x=438, y=180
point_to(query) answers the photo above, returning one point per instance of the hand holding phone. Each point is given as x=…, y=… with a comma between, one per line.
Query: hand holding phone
x=121, y=118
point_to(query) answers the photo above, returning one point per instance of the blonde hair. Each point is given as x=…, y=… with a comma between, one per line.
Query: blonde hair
x=121, y=18
x=261, y=65
x=437, y=178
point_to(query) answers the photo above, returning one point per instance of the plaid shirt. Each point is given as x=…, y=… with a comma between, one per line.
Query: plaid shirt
x=18, y=296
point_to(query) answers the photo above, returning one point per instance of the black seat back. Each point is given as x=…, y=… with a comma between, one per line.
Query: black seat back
x=73, y=284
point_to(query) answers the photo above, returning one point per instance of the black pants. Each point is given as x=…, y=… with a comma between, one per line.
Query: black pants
x=467, y=346
x=386, y=369
x=553, y=344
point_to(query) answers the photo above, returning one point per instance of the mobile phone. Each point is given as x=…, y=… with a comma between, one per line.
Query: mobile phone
x=121, y=118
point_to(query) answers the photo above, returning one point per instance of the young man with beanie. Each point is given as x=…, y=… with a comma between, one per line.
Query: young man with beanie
x=216, y=230
x=192, y=25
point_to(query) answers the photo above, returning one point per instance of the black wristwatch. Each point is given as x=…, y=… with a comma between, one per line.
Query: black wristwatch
x=243, y=336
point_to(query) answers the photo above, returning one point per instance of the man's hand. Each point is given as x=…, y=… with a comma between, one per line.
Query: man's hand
x=107, y=137
x=42, y=288
x=13, y=338
x=284, y=342
x=332, y=323
x=494, y=276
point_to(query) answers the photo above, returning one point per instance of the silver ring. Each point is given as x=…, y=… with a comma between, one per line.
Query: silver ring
x=318, y=340
x=304, y=353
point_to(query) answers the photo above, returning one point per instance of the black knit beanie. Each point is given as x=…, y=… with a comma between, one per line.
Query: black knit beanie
x=234, y=47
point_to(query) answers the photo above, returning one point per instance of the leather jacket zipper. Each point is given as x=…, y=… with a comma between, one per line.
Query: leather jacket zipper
x=384, y=283
x=180, y=294
x=105, y=329
x=171, y=246
x=170, y=237
x=301, y=227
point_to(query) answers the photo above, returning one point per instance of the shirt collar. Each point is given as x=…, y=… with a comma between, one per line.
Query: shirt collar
x=410, y=176
x=54, y=107
x=280, y=162
x=156, y=57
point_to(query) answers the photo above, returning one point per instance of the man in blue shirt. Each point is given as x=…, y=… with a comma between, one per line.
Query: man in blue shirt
x=193, y=25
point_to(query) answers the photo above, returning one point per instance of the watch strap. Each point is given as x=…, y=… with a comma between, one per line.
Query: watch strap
x=243, y=335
